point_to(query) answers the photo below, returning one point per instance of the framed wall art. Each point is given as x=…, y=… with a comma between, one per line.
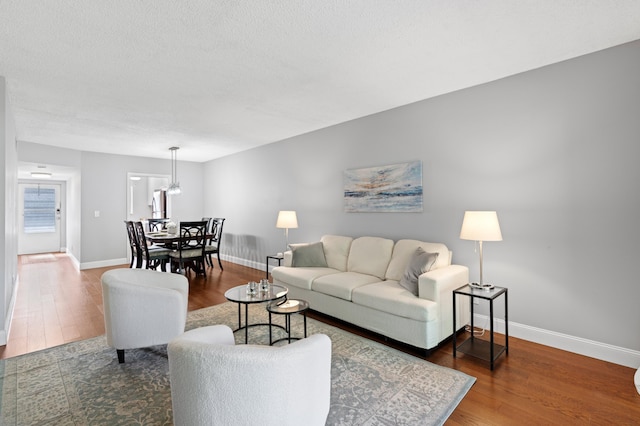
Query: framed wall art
x=393, y=188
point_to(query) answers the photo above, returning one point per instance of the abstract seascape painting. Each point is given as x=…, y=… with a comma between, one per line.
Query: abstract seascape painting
x=393, y=188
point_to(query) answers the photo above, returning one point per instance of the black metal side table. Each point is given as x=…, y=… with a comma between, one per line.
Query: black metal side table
x=240, y=296
x=287, y=308
x=479, y=348
x=276, y=257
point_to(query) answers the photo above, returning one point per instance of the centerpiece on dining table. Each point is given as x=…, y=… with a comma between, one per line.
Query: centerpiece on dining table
x=172, y=228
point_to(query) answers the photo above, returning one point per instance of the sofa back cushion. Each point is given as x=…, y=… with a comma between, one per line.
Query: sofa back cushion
x=370, y=255
x=404, y=250
x=336, y=251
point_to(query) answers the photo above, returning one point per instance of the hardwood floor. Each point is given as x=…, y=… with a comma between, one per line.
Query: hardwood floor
x=535, y=384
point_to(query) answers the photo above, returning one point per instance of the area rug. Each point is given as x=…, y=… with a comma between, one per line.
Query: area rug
x=81, y=383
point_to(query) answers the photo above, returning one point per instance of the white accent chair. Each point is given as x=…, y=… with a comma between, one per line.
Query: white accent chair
x=636, y=380
x=213, y=381
x=143, y=307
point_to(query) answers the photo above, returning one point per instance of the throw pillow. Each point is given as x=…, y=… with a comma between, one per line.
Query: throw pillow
x=420, y=262
x=308, y=255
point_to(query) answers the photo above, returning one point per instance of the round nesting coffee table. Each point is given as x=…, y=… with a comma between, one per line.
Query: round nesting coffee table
x=287, y=308
x=239, y=295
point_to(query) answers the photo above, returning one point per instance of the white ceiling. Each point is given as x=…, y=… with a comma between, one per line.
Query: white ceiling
x=218, y=77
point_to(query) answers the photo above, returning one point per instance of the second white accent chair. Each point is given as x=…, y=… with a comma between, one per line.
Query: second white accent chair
x=215, y=381
x=143, y=307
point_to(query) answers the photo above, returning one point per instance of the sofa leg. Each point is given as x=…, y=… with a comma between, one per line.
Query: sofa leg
x=120, y=355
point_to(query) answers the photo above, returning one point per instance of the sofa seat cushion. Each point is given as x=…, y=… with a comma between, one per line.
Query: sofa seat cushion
x=300, y=277
x=389, y=296
x=342, y=284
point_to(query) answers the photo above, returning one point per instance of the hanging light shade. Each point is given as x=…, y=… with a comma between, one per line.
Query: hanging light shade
x=174, y=186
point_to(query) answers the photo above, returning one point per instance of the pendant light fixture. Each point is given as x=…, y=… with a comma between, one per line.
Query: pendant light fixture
x=174, y=186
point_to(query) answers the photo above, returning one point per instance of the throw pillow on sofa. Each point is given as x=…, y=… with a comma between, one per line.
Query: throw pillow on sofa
x=308, y=255
x=420, y=262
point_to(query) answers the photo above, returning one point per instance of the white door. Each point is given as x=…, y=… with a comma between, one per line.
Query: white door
x=38, y=218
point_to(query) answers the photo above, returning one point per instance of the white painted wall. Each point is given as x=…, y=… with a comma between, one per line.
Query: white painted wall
x=554, y=151
x=8, y=212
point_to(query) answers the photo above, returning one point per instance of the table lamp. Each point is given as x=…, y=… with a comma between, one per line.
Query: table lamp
x=481, y=226
x=287, y=219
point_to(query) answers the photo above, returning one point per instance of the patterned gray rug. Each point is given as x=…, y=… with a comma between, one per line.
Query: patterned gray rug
x=81, y=383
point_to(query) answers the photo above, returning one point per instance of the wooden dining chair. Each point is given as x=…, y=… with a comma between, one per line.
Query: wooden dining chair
x=190, y=248
x=208, y=220
x=157, y=225
x=133, y=244
x=213, y=245
x=153, y=256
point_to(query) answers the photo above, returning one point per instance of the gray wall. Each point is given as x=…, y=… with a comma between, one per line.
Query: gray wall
x=104, y=189
x=554, y=151
x=102, y=186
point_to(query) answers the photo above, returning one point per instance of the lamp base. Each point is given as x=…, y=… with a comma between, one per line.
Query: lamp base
x=482, y=286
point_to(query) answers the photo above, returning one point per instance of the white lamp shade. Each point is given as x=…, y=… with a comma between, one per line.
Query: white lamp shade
x=480, y=226
x=287, y=219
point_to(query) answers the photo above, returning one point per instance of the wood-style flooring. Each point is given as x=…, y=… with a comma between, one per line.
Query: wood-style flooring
x=535, y=384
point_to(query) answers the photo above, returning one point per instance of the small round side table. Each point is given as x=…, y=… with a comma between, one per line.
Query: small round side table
x=287, y=308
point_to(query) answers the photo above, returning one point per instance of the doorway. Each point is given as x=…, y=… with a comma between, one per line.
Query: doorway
x=39, y=210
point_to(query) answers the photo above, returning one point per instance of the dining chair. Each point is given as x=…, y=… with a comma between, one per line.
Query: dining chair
x=157, y=225
x=213, y=245
x=153, y=256
x=208, y=220
x=133, y=244
x=190, y=247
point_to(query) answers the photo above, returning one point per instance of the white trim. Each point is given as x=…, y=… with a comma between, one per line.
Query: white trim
x=4, y=334
x=259, y=265
x=75, y=261
x=578, y=345
x=104, y=263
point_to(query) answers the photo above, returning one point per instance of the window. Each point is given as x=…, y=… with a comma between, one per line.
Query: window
x=39, y=210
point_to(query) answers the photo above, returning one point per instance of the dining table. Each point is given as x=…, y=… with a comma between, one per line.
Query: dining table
x=167, y=240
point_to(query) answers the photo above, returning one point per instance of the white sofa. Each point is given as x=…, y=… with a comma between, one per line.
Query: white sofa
x=360, y=284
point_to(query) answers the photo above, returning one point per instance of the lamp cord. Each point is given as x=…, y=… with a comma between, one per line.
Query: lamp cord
x=477, y=331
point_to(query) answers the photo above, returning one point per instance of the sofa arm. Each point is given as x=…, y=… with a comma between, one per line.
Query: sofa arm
x=438, y=286
x=288, y=258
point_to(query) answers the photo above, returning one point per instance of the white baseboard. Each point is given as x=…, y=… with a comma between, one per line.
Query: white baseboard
x=103, y=263
x=259, y=265
x=125, y=261
x=75, y=261
x=578, y=345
